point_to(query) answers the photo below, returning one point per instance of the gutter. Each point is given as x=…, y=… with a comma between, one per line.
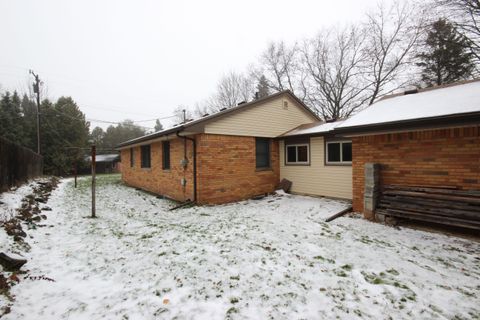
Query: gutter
x=185, y=138
x=446, y=121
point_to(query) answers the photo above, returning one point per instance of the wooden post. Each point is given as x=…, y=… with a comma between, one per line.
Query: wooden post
x=93, y=180
x=75, y=173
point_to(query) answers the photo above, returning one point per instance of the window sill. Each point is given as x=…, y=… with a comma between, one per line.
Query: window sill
x=298, y=164
x=263, y=169
x=340, y=164
x=146, y=168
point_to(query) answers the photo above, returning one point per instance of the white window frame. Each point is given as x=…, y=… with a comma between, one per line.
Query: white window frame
x=296, y=145
x=341, y=142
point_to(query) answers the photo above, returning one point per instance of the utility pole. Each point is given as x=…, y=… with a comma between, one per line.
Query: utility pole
x=184, y=115
x=36, y=90
x=94, y=151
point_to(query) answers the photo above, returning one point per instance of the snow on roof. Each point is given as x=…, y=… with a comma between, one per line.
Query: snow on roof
x=313, y=128
x=444, y=101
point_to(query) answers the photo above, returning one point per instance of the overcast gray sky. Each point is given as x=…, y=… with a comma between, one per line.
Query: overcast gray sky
x=141, y=59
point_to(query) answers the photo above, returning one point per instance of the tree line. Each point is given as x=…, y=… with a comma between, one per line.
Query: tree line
x=342, y=70
x=65, y=136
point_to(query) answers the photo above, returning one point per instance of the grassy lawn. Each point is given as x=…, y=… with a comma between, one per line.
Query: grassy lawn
x=273, y=258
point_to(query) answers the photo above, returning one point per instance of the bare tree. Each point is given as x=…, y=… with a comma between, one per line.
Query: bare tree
x=335, y=62
x=180, y=116
x=232, y=89
x=391, y=34
x=281, y=66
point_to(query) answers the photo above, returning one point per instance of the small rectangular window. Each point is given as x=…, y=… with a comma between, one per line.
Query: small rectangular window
x=262, y=152
x=132, y=157
x=145, y=156
x=166, y=155
x=291, y=154
x=298, y=154
x=346, y=151
x=339, y=152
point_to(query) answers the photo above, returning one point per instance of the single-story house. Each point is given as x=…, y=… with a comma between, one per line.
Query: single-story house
x=223, y=157
x=106, y=163
x=426, y=138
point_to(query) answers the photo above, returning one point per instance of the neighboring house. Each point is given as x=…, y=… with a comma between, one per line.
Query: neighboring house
x=223, y=157
x=106, y=163
x=429, y=138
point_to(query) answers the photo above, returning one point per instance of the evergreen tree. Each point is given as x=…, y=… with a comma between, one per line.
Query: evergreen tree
x=29, y=110
x=124, y=131
x=446, y=58
x=158, y=126
x=262, y=87
x=64, y=131
x=11, y=124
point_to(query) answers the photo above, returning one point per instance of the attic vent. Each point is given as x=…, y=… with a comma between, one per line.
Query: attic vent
x=223, y=109
x=285, y=105
x=242, y=102
x=413, y=91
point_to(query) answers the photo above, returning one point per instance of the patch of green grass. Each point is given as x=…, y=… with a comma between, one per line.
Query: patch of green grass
x=341, y=273
x=347, y=267
x=393, y=271
x=324, y=259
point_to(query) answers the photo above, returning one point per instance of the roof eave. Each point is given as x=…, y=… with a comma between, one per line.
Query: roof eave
x=464, y=119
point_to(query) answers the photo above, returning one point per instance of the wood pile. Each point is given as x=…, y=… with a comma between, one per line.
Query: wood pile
x=443, y=205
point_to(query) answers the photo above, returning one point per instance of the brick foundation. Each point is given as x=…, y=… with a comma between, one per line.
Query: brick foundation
x=446, y=157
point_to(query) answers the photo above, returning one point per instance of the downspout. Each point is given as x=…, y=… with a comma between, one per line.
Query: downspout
x=194, y=142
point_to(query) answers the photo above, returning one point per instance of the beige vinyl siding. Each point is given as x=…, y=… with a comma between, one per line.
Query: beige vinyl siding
x=317, y=178
x=270, y=119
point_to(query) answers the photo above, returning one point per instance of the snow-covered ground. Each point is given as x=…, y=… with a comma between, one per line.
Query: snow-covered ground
x=273, y=258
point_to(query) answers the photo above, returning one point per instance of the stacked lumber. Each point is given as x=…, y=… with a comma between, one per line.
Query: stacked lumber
x=445, y=205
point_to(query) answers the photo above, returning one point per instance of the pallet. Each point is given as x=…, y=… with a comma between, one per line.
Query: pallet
x=448, y=206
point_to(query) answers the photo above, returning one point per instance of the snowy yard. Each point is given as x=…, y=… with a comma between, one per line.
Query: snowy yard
x=273, y=258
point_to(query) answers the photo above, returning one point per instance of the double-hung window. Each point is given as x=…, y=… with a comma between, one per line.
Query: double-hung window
x=145, y=156
x=339, y=152
x=262, y=153
x=297, y=154
x=166, y=155
x=132, y=157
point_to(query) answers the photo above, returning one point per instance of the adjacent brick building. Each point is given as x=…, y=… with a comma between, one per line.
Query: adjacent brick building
x=425, y=138
x=442, y=157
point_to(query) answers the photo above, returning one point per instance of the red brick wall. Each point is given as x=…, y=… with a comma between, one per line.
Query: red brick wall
x=226, y=169
x=157, y=180
x=437, y=157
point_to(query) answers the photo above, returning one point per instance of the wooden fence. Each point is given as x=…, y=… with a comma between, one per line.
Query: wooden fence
x=17, y=164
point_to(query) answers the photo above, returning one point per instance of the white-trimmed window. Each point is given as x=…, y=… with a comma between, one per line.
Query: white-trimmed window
x=338, y=152
x=297, y=153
